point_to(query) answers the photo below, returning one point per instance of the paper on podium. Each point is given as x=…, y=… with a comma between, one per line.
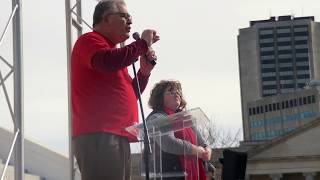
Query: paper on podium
x=160, y=126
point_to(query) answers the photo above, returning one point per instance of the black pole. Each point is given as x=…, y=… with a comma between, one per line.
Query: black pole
x=147, y=147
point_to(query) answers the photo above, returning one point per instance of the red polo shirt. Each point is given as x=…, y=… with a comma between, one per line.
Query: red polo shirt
x=102, y=92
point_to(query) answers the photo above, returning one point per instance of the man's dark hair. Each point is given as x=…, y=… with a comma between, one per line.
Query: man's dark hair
x=104, y=7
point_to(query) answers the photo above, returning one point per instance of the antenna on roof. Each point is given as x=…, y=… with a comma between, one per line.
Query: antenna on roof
x=270, y=13
x=292, y=14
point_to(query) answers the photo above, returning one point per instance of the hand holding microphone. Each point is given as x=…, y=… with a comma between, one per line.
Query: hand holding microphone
x=150, y=37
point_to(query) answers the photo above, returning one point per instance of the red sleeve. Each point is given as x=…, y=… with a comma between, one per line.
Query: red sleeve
x=118, y=58
x=143, y=81
x=87, y=46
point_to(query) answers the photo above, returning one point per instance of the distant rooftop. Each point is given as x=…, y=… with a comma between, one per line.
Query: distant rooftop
x=281, y=18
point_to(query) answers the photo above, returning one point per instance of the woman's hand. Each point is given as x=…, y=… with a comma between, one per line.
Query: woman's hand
x=203, y=153
x=207, y=154
x=198, y=151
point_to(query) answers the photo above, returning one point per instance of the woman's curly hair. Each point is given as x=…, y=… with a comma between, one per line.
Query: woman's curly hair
x=157, y=94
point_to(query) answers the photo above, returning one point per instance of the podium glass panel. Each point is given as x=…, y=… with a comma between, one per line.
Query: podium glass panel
x=166, y=162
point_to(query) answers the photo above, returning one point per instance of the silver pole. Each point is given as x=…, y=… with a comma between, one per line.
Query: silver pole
x=79, y=17
x=18, y=93
x=9, y=156
x=69, y=46
x=7, y=25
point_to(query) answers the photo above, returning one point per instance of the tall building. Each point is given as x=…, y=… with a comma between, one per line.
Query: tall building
x=277, y=58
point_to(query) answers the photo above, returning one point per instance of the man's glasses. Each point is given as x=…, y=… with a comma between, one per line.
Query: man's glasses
x=127, y=16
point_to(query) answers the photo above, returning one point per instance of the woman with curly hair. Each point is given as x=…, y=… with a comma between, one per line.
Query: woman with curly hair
x=183, y=150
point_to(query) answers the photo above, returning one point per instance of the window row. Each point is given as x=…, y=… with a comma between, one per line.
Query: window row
x=281, y=35
x=270, y=55
x=270, y=42
x=282, y=105
x=270, y=134
x=278, y=120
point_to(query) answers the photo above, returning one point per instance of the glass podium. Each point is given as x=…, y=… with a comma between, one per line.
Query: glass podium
x=163, y=164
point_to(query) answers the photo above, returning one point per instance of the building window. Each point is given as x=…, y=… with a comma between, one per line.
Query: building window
x=268, y=44
x=300, y=29
x=285, y=47
x=309, y=99
x=290, y=81
x=283, y=30
x=274, y=108
x=250, y=112
x=278, y=106
x=286, y=77
x=283, y=56
x=302, y=51
x=266, y=36
x=262, y=49
x=286, y=64
x=295, y=102
x=268, y=57
x=284, y=52
x=298, y=42
x=303, y=63
x=258, y=110
x=266, y=70
x=303, y=76
x=286, y=73
x=303, y=59
x=265, y=87
x=286, y=43
x=303, y=68
x=266, y=31
x=298, y=38
x=266, y=108
x=300, y=55
x=301, y=46
x=301, y=33
x=270, y=107
x=313, y=99
x=268, y=74
x=300, y=101
x=304, y=100
x=269, y=40
x=283, y=39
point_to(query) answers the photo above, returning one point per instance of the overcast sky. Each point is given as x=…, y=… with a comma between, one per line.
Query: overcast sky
x=198, y=47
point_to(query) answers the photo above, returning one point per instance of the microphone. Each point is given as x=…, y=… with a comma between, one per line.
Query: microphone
x=136, y=36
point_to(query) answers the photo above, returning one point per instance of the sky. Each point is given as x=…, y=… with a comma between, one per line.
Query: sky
x=198, y=47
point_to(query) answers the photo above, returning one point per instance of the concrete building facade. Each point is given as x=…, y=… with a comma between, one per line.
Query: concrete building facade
x=40, y=162
x=275, y=116
x=276, y=56
x=294, y=156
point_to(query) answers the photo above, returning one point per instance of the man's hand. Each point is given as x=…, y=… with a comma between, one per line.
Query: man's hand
x=150, y=36
x=145, y=64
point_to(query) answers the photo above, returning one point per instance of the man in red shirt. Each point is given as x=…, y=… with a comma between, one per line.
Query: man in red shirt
x=104, y=96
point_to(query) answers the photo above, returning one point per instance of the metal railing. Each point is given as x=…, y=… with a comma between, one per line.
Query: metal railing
x=73, y=19
x=16, y=111
x=9, y=156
